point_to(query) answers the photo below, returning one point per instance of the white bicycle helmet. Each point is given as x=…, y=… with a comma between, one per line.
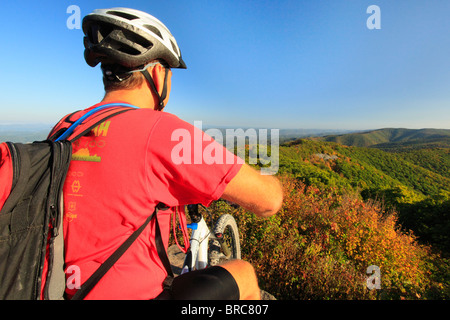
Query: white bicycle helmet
x=128, y=37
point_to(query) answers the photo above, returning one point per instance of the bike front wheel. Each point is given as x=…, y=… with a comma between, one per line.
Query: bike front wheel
x=225, y=244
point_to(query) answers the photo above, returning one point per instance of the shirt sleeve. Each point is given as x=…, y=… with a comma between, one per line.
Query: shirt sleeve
x=6, y=173
x=185, y=165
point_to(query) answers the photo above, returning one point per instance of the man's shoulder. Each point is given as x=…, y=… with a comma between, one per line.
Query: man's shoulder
x=158, y=119
x=139, y=119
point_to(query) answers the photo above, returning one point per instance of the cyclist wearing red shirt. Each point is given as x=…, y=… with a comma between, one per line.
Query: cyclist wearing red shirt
x=123, y=168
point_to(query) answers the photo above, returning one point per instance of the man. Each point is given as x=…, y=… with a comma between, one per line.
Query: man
x=123, y=168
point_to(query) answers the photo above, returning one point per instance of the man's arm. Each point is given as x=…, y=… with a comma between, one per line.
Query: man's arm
x=260, y=194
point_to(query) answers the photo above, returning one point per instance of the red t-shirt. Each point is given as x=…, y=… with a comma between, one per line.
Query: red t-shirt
x=118, y=173
x=6, y=173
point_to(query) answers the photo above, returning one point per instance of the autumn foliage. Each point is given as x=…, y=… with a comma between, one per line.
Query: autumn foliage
x=321, y=243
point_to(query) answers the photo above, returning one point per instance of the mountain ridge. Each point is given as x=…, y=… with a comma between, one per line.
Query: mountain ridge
x=391, y=138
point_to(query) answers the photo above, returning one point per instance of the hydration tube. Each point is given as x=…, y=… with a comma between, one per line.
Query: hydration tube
x=69, y=130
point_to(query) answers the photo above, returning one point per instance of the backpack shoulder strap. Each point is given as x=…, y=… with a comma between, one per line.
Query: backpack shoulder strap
x=90, y=120
x=91, y=282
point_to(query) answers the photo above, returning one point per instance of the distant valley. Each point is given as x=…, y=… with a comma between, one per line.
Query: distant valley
x=24, y=132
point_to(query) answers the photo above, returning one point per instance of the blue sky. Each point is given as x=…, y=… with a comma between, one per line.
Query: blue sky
x=274, y=64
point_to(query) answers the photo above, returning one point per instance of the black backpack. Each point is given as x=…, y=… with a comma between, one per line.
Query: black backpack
x=31, y=216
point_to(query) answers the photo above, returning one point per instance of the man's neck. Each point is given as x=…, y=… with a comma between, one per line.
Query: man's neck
x=135, y=97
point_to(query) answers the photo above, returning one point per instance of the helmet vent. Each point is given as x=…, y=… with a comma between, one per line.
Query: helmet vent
x=175, y=48
x=125, y=15
x=128, y=50
x=154, y=30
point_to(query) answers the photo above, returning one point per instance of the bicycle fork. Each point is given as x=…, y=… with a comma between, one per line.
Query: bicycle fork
x=197, y=255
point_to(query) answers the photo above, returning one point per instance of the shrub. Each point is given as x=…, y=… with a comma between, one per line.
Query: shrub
x=321, y=243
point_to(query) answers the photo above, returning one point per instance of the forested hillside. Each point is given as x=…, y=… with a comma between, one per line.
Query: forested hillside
x=407, y=182
x=347, y=208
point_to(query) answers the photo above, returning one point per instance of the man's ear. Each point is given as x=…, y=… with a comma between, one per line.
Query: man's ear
x=158, y=73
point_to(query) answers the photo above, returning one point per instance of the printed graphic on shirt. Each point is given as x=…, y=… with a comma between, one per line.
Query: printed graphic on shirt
x=76, y=186
x=73, y=191
x=83, y=155
x=86, y=150
x=101, y=129
x=70, y=215
x=83, y=150
x=72, y=206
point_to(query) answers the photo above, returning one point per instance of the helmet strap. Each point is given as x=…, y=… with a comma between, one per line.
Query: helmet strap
x=115, y=73
x=163, y=95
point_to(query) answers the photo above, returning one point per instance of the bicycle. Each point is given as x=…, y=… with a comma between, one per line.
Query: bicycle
x=210, y=248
